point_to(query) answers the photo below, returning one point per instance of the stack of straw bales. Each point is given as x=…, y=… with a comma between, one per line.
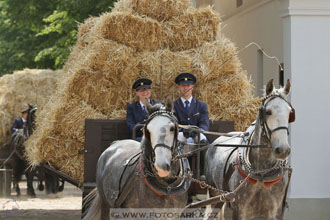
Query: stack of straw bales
x=21, y=88
x=140, y=38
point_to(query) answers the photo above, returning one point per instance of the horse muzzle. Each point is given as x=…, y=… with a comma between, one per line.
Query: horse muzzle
x=282, y=152
x=163, y=170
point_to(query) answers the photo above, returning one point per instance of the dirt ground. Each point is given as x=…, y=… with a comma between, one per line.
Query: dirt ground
x=63, y=206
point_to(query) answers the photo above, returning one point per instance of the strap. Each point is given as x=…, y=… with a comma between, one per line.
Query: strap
x=229, y=173
x=145, y=180
x=284, y=204
x=128, y=186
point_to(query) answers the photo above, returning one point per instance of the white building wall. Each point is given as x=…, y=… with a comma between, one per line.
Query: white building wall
x=262, y=24
x=298, y=33
x=307, y=50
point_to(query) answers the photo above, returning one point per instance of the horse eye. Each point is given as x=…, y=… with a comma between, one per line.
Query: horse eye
x=172, y=129
x=268, y=112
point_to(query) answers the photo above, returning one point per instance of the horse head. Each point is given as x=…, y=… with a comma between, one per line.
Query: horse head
x=160, y=134
x=31, y=118
x=275, y=114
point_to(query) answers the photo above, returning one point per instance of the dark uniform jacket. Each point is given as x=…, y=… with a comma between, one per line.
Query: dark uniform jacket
x=135, y=115
x=198, y=114
x=18, y=124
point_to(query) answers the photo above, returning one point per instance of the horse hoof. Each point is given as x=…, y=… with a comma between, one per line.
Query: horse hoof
x=41, y=187
x=32, y=195
x=60, y=189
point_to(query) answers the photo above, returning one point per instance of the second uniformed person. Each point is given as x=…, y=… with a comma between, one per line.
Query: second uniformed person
x=189, y=110
x=136, y=111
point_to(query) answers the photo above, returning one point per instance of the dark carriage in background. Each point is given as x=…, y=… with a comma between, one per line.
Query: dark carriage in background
x=100, y=133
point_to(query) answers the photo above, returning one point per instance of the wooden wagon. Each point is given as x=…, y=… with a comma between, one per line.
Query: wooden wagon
x=99, y=134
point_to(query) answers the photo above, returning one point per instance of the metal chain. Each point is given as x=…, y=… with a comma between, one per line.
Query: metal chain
x=204, y=185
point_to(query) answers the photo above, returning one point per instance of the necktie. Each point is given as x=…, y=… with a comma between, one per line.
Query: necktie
x=187, y=106
x=144, y=110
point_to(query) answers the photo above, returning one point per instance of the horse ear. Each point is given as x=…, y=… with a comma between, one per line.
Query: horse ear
x=169, y=104
x=148, y=106
x=270, y=87
x=287, y=87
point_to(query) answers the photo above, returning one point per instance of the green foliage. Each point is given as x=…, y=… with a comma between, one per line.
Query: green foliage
x=40, y=33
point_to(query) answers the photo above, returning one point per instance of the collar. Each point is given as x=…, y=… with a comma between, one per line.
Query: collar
x=189, y=100
x=253, y=180
x=146, y=181
x=23, y=120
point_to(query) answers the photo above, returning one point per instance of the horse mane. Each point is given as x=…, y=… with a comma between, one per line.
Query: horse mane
x=156, y=107
x=280, y=91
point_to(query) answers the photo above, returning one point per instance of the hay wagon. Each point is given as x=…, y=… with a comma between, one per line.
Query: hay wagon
x=99, y=134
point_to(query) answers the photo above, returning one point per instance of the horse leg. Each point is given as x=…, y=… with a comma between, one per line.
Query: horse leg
x=222, y=211
x=29, y=180
x=61, y=187
x=41, y=177
x=18, y=170
x=239, y=215
x=16, y=184
x=17, y=189
x=105, y=211
x=213, y=210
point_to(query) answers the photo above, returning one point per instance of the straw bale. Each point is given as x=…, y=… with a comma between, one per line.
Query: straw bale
x=191, y=29
x=85, y=29
x=17, y=90
x=62, y=135
x=124, y=6
x=140, y=39
x=219, y=55
x=160, y=10
x=108, y=61
x=141, y=33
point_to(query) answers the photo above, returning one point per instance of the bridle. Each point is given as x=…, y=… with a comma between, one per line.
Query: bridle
x=169, y=115
x=31, y=120
x=147, y=171
x=266, y=131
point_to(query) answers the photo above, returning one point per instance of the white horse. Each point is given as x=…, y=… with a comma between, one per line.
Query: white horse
x=264, y=194
x=141, y=175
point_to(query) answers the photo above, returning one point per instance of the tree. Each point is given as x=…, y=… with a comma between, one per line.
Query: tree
x=40, y=33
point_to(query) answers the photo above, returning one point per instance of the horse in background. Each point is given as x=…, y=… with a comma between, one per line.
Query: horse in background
x=20, y=164
x=264, y=194
x=131, y=174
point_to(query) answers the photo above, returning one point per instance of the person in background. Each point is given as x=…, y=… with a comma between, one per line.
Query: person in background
x=20, y=122
x=136, y=111
x=190, y=111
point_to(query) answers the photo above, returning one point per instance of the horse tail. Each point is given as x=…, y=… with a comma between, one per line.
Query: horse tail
x=92, y=206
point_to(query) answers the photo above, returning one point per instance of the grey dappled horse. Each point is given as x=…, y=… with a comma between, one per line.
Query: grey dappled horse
x=264, y=193
x=131, y=174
